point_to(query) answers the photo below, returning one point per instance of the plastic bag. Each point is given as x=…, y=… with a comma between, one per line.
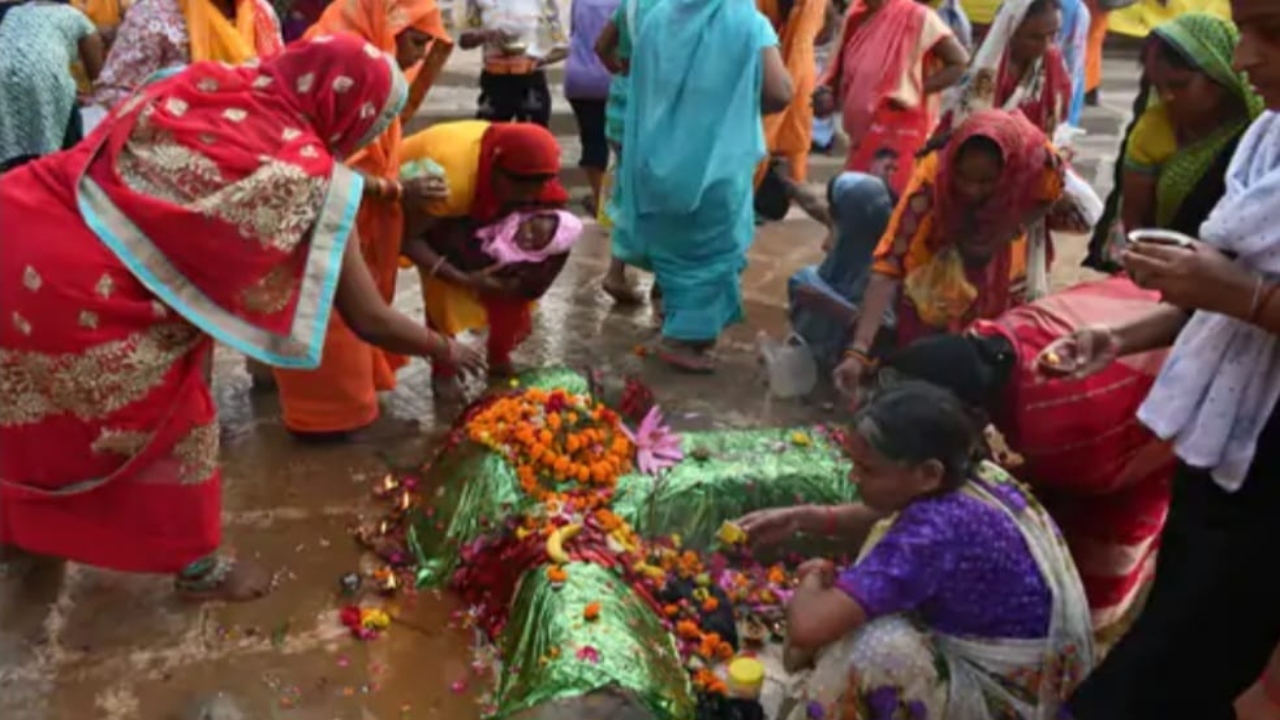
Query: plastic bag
x=939, y=289
x=790, y=364
x=426, y=167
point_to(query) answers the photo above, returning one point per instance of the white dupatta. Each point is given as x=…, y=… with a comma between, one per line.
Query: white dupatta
x=1221, y=382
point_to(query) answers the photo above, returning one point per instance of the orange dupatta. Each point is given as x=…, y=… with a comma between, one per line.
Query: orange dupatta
x=790, y=132
x=341, y=394
x=101, y=12
x=214, y=37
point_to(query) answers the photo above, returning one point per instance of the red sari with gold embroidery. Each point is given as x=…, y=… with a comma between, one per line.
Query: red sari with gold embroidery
x=207, y=207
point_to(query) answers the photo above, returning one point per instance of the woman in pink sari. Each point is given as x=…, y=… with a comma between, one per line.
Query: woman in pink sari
x=893, y=60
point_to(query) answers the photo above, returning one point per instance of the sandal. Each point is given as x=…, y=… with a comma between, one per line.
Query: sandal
x=685, y=358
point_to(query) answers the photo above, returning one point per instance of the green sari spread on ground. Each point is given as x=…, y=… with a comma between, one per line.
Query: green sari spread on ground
x=1207, y=42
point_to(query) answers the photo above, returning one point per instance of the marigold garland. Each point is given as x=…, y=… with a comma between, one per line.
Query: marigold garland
x=556, y=438
x=568, y=453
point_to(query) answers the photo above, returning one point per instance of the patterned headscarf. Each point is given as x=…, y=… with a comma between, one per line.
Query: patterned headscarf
x=219, y=187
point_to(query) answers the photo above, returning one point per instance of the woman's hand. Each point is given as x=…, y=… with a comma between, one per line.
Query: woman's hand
x=1080, y=354
x=423, y=189
x=467, y=359
x=1196, y=277
x=821, y=568
x=824, y=102
x=1065, y=216
x=849, y=373
x=484, y=282
x=772, y=526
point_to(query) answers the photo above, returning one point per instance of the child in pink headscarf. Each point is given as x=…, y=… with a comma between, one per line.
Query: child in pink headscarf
x=530, y=236
x=491, y=276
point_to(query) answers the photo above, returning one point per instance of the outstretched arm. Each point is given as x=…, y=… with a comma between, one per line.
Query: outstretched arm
x=374, y=321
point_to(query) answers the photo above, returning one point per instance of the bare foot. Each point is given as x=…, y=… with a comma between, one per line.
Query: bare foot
x=260, y=374
x=621, y=291
x=502, y=371
x=229, y=581
x=447, y=390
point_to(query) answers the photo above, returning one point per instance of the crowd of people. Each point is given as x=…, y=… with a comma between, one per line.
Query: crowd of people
x=249, y=183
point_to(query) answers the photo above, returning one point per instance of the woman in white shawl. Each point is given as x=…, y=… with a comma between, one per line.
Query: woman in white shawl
x=1213, y=614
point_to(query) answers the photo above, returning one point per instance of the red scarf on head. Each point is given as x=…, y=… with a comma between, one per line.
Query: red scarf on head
x=521, y=149
x=1026, y=155
x=1027, y=160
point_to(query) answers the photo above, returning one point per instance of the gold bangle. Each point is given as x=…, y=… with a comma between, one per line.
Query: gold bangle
x=861, y=356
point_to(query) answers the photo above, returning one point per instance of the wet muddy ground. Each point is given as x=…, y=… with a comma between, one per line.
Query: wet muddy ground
x=82, y=644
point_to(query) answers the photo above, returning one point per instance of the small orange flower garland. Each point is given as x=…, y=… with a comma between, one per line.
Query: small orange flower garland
x=556, y=438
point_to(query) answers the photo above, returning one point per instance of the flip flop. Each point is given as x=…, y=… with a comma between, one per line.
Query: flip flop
x=686, y=362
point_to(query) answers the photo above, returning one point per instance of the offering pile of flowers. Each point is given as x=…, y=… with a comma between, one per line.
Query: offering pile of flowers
x=568, y=452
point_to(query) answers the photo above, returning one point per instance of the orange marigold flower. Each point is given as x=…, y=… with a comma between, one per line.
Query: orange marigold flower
x=591, y=611
x=556, y=574
x=688, y=630
x=670, y=610
x=710, y=604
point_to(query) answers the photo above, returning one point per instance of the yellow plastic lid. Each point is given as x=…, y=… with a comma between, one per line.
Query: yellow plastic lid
x=746, y=672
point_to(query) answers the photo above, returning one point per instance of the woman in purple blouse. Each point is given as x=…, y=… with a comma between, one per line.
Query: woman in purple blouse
x=964, y=602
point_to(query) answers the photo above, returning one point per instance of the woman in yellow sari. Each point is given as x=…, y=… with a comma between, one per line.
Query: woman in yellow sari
x=789, y=134
x=157, y=34
x=492, y=169
x=341, y=395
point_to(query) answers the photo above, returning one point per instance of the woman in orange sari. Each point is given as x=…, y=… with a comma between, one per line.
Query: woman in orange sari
x=789, y=134
x=342, y=395
x=203, y=210
x=158, y=34
x=894, y=58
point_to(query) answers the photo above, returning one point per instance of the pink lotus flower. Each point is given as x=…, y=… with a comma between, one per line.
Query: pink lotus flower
x=657, y=448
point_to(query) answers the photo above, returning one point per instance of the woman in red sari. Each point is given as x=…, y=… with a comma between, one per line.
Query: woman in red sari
x=893, y=59
x=209, y=207
x=1018, y=67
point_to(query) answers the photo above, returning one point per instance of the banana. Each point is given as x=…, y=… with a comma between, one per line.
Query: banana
x=556, y=541
x=651, y=571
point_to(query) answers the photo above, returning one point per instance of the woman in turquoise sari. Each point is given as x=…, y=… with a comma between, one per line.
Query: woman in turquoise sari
x=701, y=74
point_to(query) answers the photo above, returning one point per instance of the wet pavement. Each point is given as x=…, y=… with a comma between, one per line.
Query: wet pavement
x=80, y=644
